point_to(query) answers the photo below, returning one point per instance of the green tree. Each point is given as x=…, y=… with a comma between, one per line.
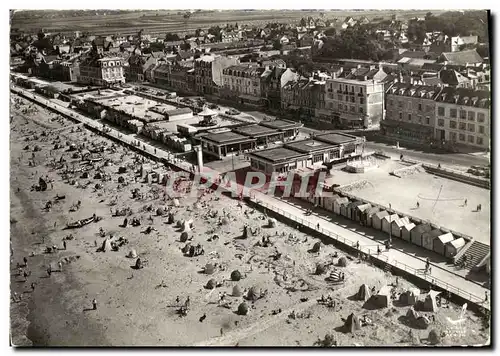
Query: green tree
x=277, y=45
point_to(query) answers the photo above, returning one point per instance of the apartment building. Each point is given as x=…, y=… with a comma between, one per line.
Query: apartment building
x=302, y=96
x=410, y=112
x=243, y=82
x=99, y=70
x=355, y=98
x=208, y=72
x=463, y=117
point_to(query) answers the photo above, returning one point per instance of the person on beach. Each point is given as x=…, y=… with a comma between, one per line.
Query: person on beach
x=32, y=286
x=59, y=264
x=64, y=244
x=418, y=205
x=465, y=202
x=26, y=275
x=177, y=300
x=25, y=262
x=49, y=271
x=94, y=304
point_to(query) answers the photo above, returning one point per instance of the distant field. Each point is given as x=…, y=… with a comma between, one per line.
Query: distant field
x=162, y=21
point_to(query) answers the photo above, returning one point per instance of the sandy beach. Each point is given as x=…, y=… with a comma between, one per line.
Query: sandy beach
x=138, y=307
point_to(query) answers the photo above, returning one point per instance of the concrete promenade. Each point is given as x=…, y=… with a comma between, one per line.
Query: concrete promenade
x=441, y=278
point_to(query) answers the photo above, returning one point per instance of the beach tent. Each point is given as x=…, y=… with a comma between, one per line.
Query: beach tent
x=410, y=296
x=429, y=237
x=453, y=247
x=441, y=241
x=363, y=293
x=327, y=202
x=236, y=291
x=352, y=323
x=383, y=297
x=235, y=275
x=344, y=208
x=316, y=247
x=406, y=231
x=252, y=294
x=352, y=209
x=106, y=245
x=337, y=203
x=184, y=236
x=360, y=210
x=209, y=268
x=176, y=202
x=342, y=262
x=243, y=309
x=272, y=222
x=387, y=222
x=430, y=303
x=417, y=232
x=377, y=219
x=369, y=213
x=211, y=284
x=397, y=226
x=132, y=254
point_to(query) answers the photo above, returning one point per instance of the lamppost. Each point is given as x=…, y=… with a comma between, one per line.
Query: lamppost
x=232, y=157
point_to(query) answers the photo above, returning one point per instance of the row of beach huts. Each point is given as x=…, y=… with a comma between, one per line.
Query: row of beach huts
x=419, y=233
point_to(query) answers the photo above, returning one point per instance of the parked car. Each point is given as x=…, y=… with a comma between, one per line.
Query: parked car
x=213, y=106
x=232, y=112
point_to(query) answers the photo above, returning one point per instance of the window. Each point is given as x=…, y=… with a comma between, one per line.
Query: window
x=440, y=111
x=360, y=110
x=462, y=125
x=400, y=104
x=419, y=119
x=472, y=115
x=428, y=108
x=334, y=154
x=453, y=136
x=353, y=100
x=471, y=127
x=339, y=97
x=461, y=137
x=340, y=107
x=420, y=107
x=440, y=122
x=409, y=117
x=480, y=117
x=428, y=120
x=470, y=138
x=463, y=114
x=104, y=64
x=453, y=113
x=453, y=124
x=353, y=109
x=361, y=100
x=400, y=116
x=352, y=88
x=481, y=129
x=409, y=105
x=317, y=158
x=361, y=90
x=479, y=140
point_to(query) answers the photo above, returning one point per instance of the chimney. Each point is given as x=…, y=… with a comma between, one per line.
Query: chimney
x=359, y=66
x=341, y=70
x=334, y=75
x=365, y=78
x=372, y=67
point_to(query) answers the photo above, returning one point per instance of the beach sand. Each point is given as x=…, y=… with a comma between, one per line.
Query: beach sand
x=138, y=307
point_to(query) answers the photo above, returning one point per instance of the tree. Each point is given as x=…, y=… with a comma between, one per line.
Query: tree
x=171, y=37
x=277, y=45
x=303, y=22
x=186, y=46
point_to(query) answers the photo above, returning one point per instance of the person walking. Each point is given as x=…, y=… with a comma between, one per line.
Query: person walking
x=64, y=244
x=465, y=202
x=94, y=304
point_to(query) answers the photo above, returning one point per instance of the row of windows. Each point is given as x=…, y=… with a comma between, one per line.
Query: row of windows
x=351, y=108
x=111, y=64
x=470, y=138
x=349, y=88
x=420, y=107
x=463, y=126
x=348, y=98
x=462, y=114
x=419, y=117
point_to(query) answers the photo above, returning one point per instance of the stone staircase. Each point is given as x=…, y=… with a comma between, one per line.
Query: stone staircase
x=477, y=251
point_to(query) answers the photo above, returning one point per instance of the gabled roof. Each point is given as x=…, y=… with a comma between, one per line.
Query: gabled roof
x=452, y=77
x=416, y=91
x=462, y=58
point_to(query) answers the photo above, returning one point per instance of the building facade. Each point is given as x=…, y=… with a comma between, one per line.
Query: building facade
x=243, y=82
x=356, y=98
x=103, y=71
x=463, y=118
x=208, y=72
x=410, y=112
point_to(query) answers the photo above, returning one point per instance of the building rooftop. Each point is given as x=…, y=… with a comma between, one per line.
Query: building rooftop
x=255, y=130
x=308, y=146
x=226, y=137
x=281, y=124
x=277, y=154
x=466, y=97
x=336, y=138
x=417, y=91
x=462, y=57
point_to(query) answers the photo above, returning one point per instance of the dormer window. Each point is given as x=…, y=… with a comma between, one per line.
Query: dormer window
x=104, y=64
x=111, y=64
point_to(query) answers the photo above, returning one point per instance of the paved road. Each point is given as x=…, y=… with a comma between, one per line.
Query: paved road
x=449, y=281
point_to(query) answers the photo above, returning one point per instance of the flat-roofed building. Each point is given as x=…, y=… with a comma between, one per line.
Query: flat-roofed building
x=278, y=159
x=225, y=143
x=263, y=135
x=290, y=129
